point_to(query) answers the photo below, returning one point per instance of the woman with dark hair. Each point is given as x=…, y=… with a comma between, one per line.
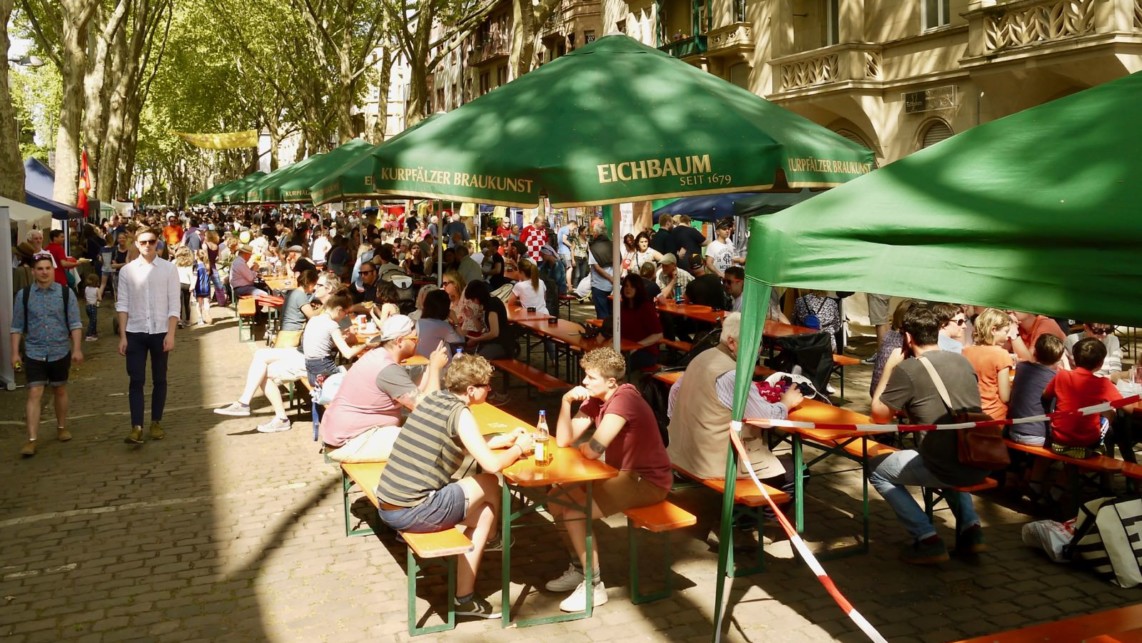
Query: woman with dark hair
x=628, y=250
x=414, y=262
x=388, y=303
x=643, y=253
x=433, y=326
x=639, y=322
x=495, y=342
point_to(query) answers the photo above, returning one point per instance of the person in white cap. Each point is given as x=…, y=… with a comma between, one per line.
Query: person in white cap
x=363, y=421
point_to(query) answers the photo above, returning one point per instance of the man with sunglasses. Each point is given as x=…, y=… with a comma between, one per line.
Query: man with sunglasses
x=51, y=329
x=1112, y=365
x=147, y=307
x=952, y=321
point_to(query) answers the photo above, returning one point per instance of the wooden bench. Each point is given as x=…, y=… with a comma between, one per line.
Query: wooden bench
x=839, y=364
x=567, y=300
x=1097, y=466
x=748, y=501
x=933, y=496
x=1079, y=628
x=659, y=518
x=247, y=308
x=446, y=545
x=541, y=381
x=677, y=345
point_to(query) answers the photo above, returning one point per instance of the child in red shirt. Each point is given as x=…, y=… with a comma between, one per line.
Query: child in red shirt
x=1076, y=389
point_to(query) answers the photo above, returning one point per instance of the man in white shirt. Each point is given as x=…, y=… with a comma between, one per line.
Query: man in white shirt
x=320, y=248
x=721, y=254
x=148, y=310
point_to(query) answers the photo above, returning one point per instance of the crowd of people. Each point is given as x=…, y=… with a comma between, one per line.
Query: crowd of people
x=361, y=294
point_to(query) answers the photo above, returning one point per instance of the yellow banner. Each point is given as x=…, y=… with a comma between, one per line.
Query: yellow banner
x=221, y=141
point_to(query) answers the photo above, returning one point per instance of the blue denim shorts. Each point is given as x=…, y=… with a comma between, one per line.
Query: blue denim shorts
x=443, y=509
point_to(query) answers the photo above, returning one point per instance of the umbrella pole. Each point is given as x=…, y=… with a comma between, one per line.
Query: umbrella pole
x=616, y=277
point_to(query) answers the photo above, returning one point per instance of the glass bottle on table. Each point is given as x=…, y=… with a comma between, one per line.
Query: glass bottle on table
x=543, y=449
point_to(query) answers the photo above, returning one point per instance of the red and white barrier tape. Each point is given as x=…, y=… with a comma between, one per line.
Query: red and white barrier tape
x=888, y=428
x=802, y=549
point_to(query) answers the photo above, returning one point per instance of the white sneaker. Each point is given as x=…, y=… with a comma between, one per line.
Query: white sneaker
x=570, y=579
x=577, y=601
x=237, y=409
x=275, y=425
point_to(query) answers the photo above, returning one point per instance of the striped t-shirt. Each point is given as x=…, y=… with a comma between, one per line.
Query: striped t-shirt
x=427, y=451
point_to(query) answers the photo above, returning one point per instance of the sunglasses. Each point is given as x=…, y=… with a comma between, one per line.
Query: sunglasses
x=960, y=322
x=367, y=272
x=148, y=242
x=1102, y=330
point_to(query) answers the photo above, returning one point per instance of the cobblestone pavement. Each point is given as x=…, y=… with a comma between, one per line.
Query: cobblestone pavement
x=222, y=533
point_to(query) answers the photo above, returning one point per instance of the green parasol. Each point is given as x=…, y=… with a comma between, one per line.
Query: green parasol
x=615, y=121
x=354, y=178
x=268, y=190
x=235, y=191
x=295, y=187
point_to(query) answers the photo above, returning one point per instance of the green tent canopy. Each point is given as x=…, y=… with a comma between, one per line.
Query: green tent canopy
x=612, y=122
x=1037, y=212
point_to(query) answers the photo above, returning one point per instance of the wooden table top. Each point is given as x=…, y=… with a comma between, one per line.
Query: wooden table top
x=281, y=283
x=493, y=419
x=570, y=333
x=692, y=311
x=567, y=466
x=519, y=313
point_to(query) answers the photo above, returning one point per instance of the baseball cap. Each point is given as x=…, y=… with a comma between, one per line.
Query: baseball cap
x=298, y=249
x=396, y=327
x=669, y=258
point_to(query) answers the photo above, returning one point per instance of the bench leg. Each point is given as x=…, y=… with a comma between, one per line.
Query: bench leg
x=450, y=621
x=636, y=595
x=346, y=485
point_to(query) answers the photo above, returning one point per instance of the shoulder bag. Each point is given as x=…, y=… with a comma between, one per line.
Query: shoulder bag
x=979, y=447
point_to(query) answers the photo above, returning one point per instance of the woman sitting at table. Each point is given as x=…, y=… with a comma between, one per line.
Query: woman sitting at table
x=388, y=303
x=639, y=322
x=496, y=341
x=417, y=491
x=433, y=327
x=529, y=292
x=626, y=431
x=413, y=263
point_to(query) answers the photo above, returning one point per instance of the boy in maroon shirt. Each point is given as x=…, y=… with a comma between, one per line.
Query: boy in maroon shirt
x=627, y=432
x=1077, y=436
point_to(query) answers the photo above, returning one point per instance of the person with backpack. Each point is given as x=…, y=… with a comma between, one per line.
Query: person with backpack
x=46, y=317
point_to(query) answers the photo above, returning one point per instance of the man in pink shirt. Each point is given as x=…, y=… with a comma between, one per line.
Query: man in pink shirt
x=364, y=418
x=1031, y=326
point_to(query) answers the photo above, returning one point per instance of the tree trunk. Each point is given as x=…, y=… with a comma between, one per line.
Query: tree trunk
x=526, y=21
x=73, y=58
x=127, y=155
x=384, y=79
x=11, y=166
x=108, y=169
x=97, y=89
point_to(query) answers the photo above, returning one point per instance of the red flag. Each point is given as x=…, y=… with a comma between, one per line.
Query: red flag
x=84, y=184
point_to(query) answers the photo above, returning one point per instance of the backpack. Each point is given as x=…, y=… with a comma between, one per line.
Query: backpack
x=27, y=293
x=657, y=396
x=1108, y=539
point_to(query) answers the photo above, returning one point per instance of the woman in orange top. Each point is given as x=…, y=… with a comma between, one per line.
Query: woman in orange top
x=992, y=363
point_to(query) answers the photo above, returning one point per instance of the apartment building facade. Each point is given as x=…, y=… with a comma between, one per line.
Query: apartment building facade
x=895, y=75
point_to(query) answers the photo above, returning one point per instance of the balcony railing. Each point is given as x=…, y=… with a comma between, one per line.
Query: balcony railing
x=685, y=47
x=1030, y=23
x=839, y=63
x=488, y=50
x=736, y=36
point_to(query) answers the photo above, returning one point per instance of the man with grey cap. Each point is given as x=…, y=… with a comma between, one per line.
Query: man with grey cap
x=670, y=277
x=295, y=259
x=362, y=422
x=243, y=279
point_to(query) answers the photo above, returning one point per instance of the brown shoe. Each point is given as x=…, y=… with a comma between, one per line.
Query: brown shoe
x=157, y=432
x=63, y=435
x=29, y=449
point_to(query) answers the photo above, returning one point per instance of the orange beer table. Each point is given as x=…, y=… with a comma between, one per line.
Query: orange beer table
x=533, y=482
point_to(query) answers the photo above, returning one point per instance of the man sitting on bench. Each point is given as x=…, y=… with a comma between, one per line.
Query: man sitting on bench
x=907, y=388
x=364, y=418
x=416, y=490
x=626, y=431
x=699, y=429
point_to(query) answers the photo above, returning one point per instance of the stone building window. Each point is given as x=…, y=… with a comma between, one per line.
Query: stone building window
x=934, y=13
x=934, y=132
